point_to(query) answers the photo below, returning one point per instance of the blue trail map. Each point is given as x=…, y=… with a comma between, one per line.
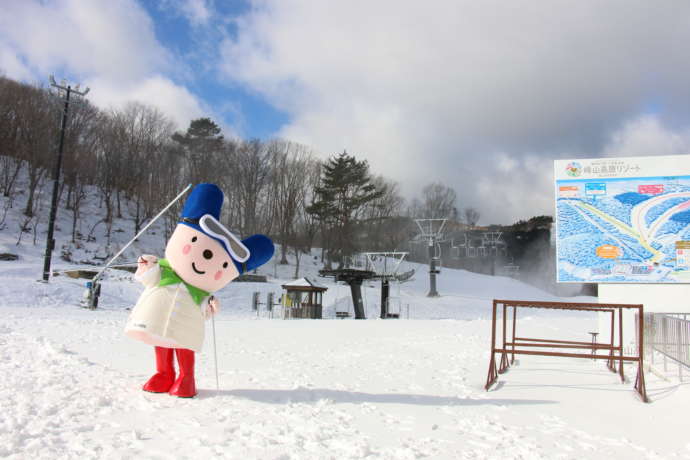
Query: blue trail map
x=623, y=229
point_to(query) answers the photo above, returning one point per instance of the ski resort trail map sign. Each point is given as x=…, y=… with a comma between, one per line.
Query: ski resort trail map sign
x=623, y=220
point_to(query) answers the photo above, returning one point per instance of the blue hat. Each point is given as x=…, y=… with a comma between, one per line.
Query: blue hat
x=202, y=212
x=204, y=199
x=261, y=250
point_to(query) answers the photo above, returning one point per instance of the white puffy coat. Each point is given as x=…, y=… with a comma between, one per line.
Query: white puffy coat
x=166, y=316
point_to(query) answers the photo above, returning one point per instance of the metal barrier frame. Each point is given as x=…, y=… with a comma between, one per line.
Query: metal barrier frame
x=669, y=335
x=517, y=343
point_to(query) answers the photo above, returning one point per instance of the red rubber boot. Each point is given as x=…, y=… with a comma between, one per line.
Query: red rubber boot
x=184, y=386
x=164, y=377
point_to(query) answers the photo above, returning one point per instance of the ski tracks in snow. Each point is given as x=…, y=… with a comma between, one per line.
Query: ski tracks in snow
x=289, y=390
x=54, y=401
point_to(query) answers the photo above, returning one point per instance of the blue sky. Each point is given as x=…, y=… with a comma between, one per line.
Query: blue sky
x=481, y=96
x=194, y=43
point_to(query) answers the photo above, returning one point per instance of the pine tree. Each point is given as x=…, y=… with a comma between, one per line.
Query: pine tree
x=202, y=142
x=201, y=130
x=346, y=187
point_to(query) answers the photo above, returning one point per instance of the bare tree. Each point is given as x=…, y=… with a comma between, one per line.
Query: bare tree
x=308, y=224
x=471, y=216
x=10, y=162
x=81, y=140
x=288, y=189
x=438, y=202
x=380, y=214
x=250, y=174
x=37, y=116
x=167, y=180
x=111, y=165
x=144, y=131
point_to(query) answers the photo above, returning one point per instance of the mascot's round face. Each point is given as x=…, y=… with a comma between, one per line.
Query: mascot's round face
x=199, y=259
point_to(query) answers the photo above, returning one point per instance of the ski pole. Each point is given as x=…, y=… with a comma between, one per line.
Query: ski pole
x=100, y=273
x=215, y=353
x=90, y=267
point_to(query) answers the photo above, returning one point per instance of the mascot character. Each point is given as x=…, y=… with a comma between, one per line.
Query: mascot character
x=201, y=257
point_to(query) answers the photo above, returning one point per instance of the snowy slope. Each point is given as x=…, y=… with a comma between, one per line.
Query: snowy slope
x=303, y=389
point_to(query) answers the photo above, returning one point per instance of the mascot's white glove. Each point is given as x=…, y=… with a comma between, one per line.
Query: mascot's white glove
x=144, y=263
x=213, y=307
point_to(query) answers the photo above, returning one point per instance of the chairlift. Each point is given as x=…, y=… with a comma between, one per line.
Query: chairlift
x=341, y=312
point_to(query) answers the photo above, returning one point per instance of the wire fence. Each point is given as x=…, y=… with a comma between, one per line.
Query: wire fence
x=668, y=335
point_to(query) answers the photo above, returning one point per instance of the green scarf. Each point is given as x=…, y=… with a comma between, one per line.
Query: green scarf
x=168, y=276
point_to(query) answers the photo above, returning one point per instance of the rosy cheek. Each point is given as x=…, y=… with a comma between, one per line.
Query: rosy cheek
x=218, y=275
x=186, y=249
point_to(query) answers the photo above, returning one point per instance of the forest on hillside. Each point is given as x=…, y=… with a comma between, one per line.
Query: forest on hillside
x=137, y=160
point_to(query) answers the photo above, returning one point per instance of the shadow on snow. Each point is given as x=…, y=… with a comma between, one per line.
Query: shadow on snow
x=305, y=395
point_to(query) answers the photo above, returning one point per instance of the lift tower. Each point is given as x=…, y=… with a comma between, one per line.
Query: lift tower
x=432, y=232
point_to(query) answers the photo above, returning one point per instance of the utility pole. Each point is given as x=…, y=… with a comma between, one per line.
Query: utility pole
x=50, y=242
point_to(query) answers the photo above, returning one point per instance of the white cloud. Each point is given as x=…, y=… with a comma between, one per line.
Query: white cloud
x=431, y=91
x=11, y=65
x=84, y=38
x=522, y=191
x=646, y=136
x=173, y=100
x=197, y=12
x=109, y=46
x=522, y=186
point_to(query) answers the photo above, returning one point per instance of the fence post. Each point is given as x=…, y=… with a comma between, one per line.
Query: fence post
x=664, y=338
x=653, y=337
x=686, y=341
x=620, y=344
x=680, y=357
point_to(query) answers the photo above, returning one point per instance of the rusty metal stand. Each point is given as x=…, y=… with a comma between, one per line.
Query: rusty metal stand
x=611, y=363
x=639, y=380
x=512, y=360
x=504, y=363
x=504, y=356
x=640, y=385
x=594, y=342
x=493, y=373
x=509, y=346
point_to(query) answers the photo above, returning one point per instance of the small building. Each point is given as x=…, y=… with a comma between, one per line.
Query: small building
x=303, y=298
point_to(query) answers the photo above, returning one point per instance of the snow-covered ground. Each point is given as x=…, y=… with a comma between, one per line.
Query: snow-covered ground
x=70, y=381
